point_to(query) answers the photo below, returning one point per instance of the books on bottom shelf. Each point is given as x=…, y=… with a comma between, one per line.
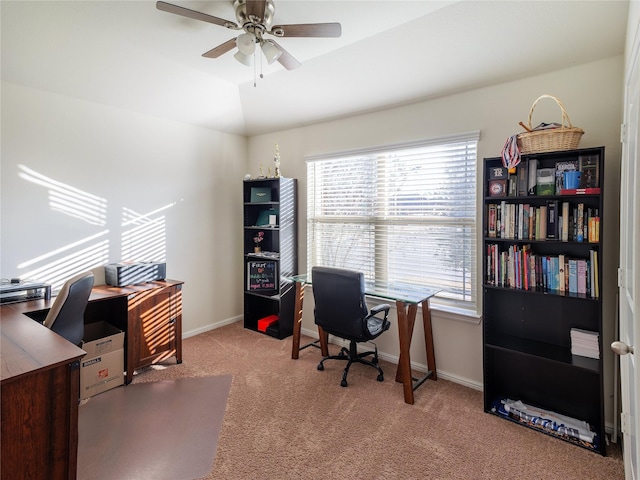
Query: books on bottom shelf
x=584, y=343
x=548, y=421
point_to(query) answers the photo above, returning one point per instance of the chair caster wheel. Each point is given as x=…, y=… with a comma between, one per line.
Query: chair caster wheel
x=380, y=378
x=320, y=367
x=343, y=383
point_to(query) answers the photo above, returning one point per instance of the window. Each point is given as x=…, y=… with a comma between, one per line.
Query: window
x=403, y=214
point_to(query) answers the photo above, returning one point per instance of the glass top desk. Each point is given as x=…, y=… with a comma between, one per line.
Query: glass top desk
x=407, y=302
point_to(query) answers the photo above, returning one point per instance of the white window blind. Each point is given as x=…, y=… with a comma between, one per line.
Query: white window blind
x=403, y=214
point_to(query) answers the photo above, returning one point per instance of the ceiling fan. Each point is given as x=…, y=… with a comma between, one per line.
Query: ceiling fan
x=255, y=18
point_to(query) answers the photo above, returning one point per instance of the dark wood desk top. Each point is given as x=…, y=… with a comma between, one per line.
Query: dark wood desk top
x=27, y=346
x=101, y=292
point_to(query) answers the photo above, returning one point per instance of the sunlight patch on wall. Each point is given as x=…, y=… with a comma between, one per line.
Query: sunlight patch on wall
x=56, y=266
x=144, y=235
x=67, y=199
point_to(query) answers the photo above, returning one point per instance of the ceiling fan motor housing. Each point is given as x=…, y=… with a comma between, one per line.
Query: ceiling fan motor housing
x=249, y=21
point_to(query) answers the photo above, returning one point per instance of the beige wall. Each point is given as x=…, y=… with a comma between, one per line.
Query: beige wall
x=185, y=178
x=142, y=163
x=592, y=95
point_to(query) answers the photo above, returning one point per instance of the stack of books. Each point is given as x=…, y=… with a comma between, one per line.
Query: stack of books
x=584, y=343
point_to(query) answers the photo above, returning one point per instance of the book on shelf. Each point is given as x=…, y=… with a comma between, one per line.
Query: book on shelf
x=522, y=174
x=589, y=165
x=543, y=214
x=561, y=167
x=561, y=275
x=595, y=287
x=492, y=220
x=573, y=275
x=584, y=343
x=552, y=220
x=565, y=221
x=592, y=225
x=580, y=223
x=532, y=164
x=580, y=191
x=512, y=186
x=581, y=276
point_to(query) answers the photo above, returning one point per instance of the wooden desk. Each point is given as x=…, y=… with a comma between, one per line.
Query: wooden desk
x=150, y=315
x=40, y=371
x=40, y=382
x=407, y=306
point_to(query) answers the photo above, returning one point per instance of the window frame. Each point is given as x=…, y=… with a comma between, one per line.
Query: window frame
x=450, y=307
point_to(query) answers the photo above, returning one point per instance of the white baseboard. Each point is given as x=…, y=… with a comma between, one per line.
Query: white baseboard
x=211, y=326
x=416, y=366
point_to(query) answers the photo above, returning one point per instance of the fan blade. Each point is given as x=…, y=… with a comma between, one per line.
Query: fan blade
x=286, y=59
x=308, y=30
x=255, y=9
x=220, y=49
x=185, y=12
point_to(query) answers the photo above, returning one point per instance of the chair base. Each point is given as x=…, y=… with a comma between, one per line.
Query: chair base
x=352, y=356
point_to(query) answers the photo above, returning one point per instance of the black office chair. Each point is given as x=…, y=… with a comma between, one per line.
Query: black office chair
x=66, y=316
x=341, y=310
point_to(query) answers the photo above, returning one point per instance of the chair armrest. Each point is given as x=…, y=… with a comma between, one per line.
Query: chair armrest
x=383, y=307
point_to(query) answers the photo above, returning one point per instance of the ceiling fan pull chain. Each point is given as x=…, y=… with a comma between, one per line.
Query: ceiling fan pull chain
x=254, y=70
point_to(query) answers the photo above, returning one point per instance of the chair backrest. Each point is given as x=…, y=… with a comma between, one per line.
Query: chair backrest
x=66, y=316
x=340, y=305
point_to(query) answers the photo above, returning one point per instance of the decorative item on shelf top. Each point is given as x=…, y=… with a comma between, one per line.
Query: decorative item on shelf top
x=276, y=162
x=549, y=137
x=258, y=240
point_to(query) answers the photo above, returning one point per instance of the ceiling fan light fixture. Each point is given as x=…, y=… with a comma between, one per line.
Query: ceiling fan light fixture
x=271, y=52
x=242, y=58
x=246, y=43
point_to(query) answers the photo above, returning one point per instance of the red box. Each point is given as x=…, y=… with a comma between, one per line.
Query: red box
x=263, y=323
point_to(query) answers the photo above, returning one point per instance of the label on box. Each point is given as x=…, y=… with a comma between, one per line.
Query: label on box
x=101, y=373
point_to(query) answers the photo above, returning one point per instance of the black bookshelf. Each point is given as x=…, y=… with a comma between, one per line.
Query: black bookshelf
x=529, y=309
x=270, y=213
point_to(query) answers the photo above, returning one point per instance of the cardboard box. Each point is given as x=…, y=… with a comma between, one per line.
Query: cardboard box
x=103, y=367
x=101, y=373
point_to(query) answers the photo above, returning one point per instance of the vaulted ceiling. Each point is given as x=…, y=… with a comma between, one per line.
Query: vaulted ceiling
x=129, y=54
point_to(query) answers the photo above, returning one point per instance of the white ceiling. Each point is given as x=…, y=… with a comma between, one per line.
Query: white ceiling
x=130, y=55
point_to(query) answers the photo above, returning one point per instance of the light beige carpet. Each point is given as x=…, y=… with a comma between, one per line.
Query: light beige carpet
x=286, y=420
x=162, y=430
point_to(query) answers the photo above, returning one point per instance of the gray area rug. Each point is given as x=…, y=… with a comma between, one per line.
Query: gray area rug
x=156, y=430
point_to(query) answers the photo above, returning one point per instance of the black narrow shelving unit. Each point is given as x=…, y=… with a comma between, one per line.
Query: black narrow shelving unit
x=270, y=212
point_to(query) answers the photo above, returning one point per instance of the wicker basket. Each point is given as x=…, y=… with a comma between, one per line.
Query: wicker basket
x=566, y=137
